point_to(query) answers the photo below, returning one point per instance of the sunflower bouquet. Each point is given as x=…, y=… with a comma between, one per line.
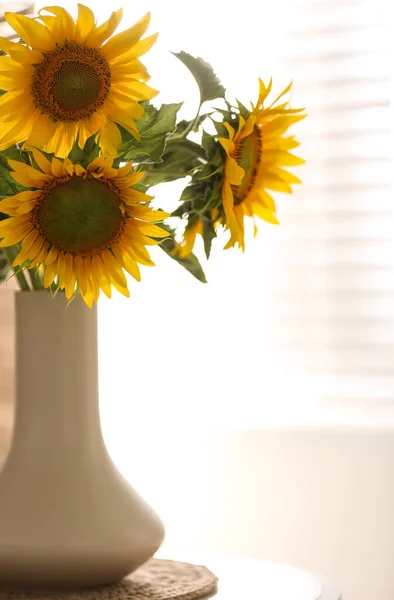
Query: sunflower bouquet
x=81, y=144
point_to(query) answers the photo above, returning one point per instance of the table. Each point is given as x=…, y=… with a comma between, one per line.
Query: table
x=243, y=578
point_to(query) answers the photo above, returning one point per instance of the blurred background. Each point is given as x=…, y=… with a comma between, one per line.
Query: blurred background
x=256, y=413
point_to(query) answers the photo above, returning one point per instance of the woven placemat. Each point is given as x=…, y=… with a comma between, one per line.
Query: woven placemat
x=156, y=580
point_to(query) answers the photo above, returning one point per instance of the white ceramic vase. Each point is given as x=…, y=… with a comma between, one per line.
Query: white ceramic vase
x=68, y=519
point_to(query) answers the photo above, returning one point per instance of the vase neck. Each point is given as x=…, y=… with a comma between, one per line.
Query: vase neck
x=56, y=373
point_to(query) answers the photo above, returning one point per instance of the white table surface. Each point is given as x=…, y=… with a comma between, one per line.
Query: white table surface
x=252, y=579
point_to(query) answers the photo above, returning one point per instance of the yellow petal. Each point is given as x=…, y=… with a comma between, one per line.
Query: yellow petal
x=113, y=268
x=138, y=49
x=227, y=145
x=10, y=224
x=53, y=255
x=154, y=231
x=264, y=213
x=126, y=122
x=132, y=197
x=282, y=158
x=79, y=170
x=27, y=244
x=26, y=175
x=22, y=197
x=41, y=255
x=85, y=23
x=97, y=163
x=19, y=131
x=279, y=125
x=42, y=161
x=33, y=33
x=81, y=274
x=19, y=53
x=37, y=246
x=132, y=267
x=98, y=36
x=10, y=103
x=13, y=75
x=57, y=167
x=124, y=100
x=63, y=27
x=110, y=139
x=123, y=41
x=284, y=143
x=273, y=183
x=69, y=276
x=129, y=264
x=287, y=89
x=43, y=131
x=129, y=69
x=25, y=208
x=14, y=238
x=283, y=175
x=88, y=298
x=8, y=65
x=62, y=140
x=234, y=172
x=7, y=46
x=50, y=274
x=135, y=90
x=248, y=127
x=228, y=205
x=263, y=92
x=231, y=130
x=121, y=288
x=138, y=252
x=9, y=206
x=147, y=214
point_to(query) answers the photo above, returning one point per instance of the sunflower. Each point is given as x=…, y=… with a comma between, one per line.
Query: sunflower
x=256, y=154
x=69, y=81
x=83, y=227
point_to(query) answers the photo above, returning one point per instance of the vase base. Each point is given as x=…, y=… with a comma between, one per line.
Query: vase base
x=156, y=580
x=68, y=570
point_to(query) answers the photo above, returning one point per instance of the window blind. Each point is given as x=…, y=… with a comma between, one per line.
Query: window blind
x=334, y=290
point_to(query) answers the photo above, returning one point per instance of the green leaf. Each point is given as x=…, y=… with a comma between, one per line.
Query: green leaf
x=154, y=127
x=8, y=185
x=4, y=265
x=209, y=143
x=207, y=171
x=191, y=263
x=209, y=84
x=16, y=153
x=243, y=111
x=184, y=125
x=91, y=148
x=208, y=234
x=181, y=158
x=77, y=155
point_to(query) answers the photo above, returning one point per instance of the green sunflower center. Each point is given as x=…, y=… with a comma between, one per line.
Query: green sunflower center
x=71, y=83
x=75, y=86
x=248, y=155
x=79, y=215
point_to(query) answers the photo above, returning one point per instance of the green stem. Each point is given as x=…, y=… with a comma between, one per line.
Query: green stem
x=36, y=279
x=12, y=252
x=192, y=123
